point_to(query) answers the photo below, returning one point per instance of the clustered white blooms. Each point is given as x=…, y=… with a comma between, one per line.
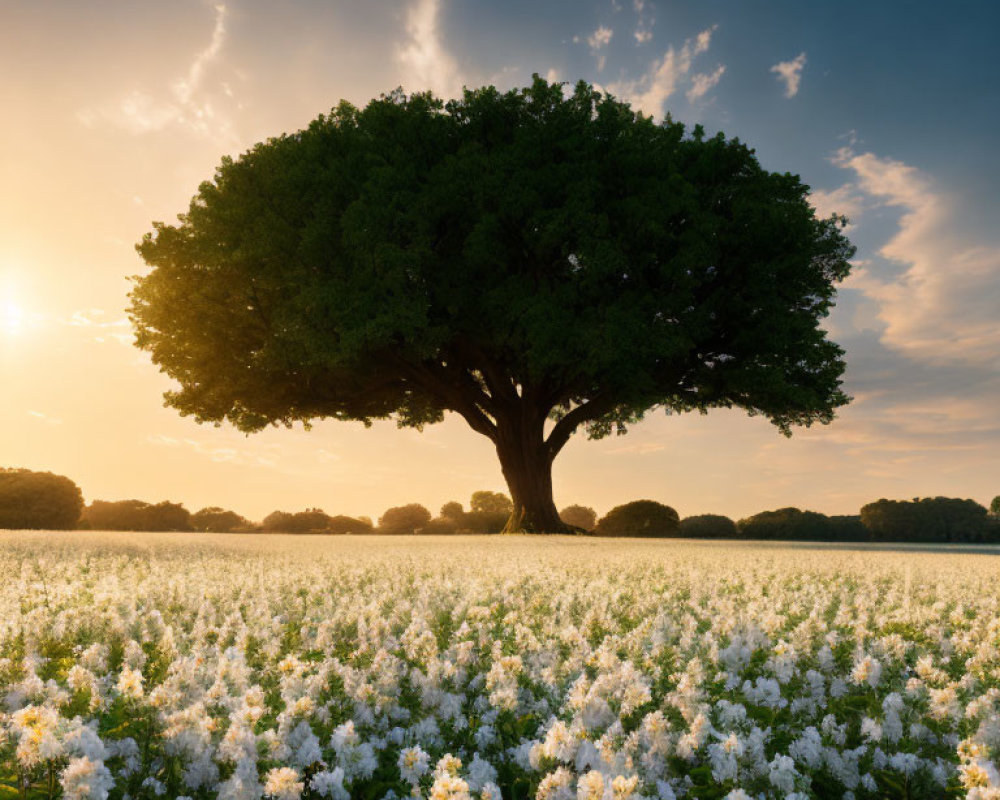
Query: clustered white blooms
x=200, y=667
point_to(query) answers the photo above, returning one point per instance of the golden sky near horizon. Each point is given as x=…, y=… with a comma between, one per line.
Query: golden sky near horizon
x=115, y=112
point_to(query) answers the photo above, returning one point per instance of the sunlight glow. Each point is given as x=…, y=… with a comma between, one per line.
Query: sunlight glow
x=12, y=318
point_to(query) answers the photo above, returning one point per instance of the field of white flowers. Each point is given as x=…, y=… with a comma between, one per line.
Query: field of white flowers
x=201, y=666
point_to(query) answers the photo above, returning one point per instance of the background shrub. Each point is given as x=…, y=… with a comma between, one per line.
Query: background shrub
x=39, y=500
x=708, y=526
x=136, y=515
x=930, y=519
x=790, y=524
x=644, y=518
x=484, y=502
x=218, y=520
x=406, y=519
x=580, y=516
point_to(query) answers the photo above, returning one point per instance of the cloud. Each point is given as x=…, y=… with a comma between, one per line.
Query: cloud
x=91, y=319
x=650, y=92
x=186, y=106
x=942, y=305
x=185, y=88
x=644, y=25
x=45, y=418
x=846, y=200
x=791, y=73
x=424, y=58
x=598, y=40
x=215, y=453
x=704, y=82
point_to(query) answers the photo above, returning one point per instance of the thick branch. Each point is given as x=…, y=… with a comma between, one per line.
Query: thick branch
x=500, y=385
x=597, y=406
x=451, y=396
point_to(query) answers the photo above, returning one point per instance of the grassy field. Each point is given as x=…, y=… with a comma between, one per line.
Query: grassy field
x=204, y=666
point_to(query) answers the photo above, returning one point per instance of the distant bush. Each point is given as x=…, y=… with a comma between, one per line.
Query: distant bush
x=848, y=528
x=440, y=526
x=579, y=516
x=218, y=520
x=406, y=519
x=485, y=502
x=136, y=515
x=489, y=514
x=452, y=511
x=644, y=518
x=789, y=524
x=483, y=522
x=341, y=525
x=708, y=526
x=929, y=519
x=39, y=500
x=995, y=506
x=312, y=520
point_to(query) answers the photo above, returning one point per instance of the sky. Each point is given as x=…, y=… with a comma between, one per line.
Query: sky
x=114, y=112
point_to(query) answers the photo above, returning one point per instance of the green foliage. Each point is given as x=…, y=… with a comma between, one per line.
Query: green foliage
x=440, y=526
x=218, y=520
x=452, y=510
x=39, y=500
x=490, y=503
x=785, y=523
x=403, y=519
x=929, y=519
x=708, y=526
x=312, y=520
x=645, y=518
x=995, y=506
x=136, y=515
x=508, y=256
x=341, y=524
x=579, y=517
x=483, y=521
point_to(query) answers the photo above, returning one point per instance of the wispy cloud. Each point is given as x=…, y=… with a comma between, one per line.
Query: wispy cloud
x=426, y=62
x=644, y=24
x=846, y=200
x=48, y=420
x=790, y=73
x=214, y=452
x=704, y=82
x=650, y=92
x=185, y=105
x=598, y=40
x=102, y=329
x=942, y=306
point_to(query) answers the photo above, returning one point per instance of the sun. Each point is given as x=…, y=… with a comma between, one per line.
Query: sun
x=12, y=318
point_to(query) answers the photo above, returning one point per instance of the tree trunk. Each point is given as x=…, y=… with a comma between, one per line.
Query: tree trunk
x=527, y=467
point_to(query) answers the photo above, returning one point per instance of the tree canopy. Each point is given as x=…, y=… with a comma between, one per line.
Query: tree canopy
x=403, y=519
x=532, y=260
x=642, y=518
x=929, y=519
x=488, y=502
x=39, y=500
x=136, y=515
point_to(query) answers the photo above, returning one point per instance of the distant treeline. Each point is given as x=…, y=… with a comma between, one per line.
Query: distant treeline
x=42, y=500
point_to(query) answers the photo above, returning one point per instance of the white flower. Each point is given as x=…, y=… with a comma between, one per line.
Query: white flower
x=83, y=779
x=283, y=783
x=130, y=683
x=330, y=784
x=413, y=763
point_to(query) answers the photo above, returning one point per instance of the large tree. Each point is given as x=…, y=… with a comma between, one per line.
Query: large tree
x=535, y=262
